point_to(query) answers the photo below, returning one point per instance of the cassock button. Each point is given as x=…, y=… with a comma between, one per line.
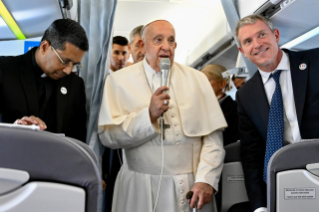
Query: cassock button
x=180, y=181
x=181, y=191
x=64, y=90
x=182, y=201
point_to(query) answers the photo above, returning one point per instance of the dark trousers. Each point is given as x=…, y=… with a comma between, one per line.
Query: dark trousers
x=240, y=207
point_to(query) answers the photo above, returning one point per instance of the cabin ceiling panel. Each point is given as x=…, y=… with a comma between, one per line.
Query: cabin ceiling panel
x=33, y=16
x=6, y=33
x=299, y=17
x=308, y=44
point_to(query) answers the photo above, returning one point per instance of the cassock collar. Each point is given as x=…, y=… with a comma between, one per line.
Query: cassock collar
x=283, y=65
x=37, y=70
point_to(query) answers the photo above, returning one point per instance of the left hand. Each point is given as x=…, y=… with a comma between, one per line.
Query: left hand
x=202, y=191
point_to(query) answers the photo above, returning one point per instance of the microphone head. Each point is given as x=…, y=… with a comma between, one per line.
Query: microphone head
x=165, y=64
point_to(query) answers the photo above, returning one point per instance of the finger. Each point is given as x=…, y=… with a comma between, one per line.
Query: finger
x=41, y=123
x=200, y=202
x=164, y=96
x=194, y=200
x=160, y=90
x=21, y=122
x=30, y=120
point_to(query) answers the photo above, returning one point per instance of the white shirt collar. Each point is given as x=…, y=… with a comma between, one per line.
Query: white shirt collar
x=149, y=71
x=283, y=65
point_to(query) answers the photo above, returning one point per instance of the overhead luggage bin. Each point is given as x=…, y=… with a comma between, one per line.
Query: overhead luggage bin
x=33, y=17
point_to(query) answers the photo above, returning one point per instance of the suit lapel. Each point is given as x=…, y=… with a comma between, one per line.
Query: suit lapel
x=29, y=84
x=62, y=100
x=260, y=99
x=299, y=80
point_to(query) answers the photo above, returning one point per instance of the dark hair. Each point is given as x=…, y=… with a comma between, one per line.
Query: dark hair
x=119, y=40
x=66, y=30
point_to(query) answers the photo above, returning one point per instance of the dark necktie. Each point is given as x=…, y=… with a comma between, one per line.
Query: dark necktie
x=275, y=132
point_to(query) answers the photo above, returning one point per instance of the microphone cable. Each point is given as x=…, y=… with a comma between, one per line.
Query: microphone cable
x=162, y=166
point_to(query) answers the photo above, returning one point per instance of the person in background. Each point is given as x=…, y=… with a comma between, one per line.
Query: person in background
x=39, y=87
x=120, y=53
x=229, y=107
x=136, y=50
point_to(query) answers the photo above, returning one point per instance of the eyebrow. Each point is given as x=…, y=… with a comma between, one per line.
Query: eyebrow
x=257, y=33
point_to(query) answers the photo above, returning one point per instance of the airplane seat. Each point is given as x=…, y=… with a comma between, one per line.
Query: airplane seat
x=41, y=171
x=233, y=188
x=293, y=178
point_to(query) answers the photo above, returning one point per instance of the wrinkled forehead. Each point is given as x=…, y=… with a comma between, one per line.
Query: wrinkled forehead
x=158, y=27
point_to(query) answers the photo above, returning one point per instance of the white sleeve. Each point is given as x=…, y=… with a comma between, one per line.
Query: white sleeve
x=261, y=210
x=135, y=130
x=211, y=159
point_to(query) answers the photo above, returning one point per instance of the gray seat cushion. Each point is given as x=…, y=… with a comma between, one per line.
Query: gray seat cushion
x=48, y=157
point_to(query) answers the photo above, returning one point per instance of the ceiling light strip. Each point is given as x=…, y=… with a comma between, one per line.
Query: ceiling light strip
x=301, y=39
x=4, y=13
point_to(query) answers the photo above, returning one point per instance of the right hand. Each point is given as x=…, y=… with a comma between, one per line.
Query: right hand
x=157, y=106
x=31, y=120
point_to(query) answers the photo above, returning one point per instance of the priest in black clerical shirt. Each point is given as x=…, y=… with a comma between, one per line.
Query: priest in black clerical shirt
x=39, y=87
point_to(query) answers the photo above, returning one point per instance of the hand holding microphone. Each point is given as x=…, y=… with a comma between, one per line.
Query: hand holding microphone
x=160, y=99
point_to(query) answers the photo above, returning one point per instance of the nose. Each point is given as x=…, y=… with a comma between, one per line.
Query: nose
x=121, y=57
x=257, y=44
x=165, y=45
x=67, y=70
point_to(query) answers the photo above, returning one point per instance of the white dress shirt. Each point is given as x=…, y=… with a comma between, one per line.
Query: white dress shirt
x=291, y=126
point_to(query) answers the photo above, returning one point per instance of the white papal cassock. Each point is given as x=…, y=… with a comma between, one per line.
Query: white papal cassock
x=193, y=144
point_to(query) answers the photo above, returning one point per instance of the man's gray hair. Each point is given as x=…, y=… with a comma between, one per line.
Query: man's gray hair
x=135, y=31
x=251, y=19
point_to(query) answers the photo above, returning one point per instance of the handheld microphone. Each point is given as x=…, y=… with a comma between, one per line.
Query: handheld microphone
x=165, y=65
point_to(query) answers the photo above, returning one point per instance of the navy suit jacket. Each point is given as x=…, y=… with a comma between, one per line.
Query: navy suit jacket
x=253, y=111
x=19, y=96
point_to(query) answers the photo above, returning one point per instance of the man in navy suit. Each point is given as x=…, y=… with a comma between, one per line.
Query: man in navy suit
x=39, y=87
x=299, y=79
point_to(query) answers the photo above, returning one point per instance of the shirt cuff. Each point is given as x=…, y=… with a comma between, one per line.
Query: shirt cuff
x=261, y=209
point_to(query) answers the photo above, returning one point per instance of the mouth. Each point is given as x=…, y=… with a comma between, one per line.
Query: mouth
x=60, y=76
x=258, y=53
x=164, y=56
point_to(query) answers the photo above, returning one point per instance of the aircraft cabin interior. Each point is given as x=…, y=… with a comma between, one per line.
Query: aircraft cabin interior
x=43, y=171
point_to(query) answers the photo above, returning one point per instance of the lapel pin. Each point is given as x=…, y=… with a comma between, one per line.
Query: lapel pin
x=64, y=90
x=302, y=66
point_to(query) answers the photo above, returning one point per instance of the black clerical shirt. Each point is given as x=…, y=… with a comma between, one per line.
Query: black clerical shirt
x=46, y=93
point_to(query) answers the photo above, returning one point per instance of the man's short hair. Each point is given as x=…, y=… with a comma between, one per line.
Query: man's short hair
x=251, y=19
x=136, y=31
x=120, y=40
x=66, y=30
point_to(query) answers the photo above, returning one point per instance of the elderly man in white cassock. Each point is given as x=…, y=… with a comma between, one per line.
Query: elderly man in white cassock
x=132, y=105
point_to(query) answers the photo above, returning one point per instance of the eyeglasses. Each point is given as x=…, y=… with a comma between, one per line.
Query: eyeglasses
x=69, y=64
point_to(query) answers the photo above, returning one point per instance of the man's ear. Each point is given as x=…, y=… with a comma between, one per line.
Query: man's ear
x=242, y=51
x=141, y=44
x=277, y=34
x=44, y=46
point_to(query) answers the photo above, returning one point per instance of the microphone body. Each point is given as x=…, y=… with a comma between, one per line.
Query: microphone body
x=165, y=65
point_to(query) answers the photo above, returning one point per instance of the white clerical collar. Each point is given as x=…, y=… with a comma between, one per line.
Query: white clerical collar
x=150, y=72
x=43, y=75
x=283, y=65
